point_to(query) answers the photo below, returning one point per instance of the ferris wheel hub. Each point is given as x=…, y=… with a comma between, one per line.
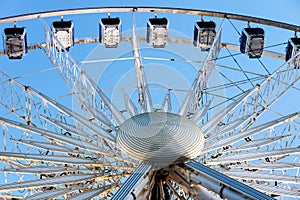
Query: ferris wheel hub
x=160, y=138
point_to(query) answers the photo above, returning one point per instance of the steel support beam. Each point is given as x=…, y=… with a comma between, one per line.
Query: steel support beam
x=142, y=85
x=191, y=102
x=91, y=97
x=254, y=101
x=221, y=184
x=134, y=185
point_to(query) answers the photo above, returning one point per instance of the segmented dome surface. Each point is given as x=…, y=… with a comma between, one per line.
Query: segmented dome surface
x=160, y=138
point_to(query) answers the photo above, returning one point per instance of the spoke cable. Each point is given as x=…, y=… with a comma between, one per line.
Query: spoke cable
x=239, y=67
x=233, y=26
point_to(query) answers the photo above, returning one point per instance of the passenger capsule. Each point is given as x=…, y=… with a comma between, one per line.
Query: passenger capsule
x=292, y=48
x=204, y=34
x=64, y=33
x=15, y=42
x=252, y=42
x=157, y=32
x=110, y=32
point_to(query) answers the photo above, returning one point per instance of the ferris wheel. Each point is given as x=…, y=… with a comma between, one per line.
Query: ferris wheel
x=155, y=103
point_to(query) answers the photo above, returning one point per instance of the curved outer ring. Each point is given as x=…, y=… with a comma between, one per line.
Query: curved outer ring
x=149, y=9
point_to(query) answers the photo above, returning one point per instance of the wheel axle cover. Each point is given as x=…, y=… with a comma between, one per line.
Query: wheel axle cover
x=160, y=138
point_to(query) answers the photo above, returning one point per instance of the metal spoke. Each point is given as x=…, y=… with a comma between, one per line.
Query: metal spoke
x=259, y=143
x=27, y=103
x=43, y=170
x=87, y=123
x=258, y=176
x=69, y=179
x=73, y=160
x=211, y=144
x=221, y=184
x=268, y=166
x=276, y=190
x=133, y=186
x=47, y=146
x=52, y=193
x=58, y=137
x=192, y=100
x=89, y=194
x=258, y=99
x=144, y=94
x=248, y=156
x=130, y=106
x=167, y=105
x=84, y=88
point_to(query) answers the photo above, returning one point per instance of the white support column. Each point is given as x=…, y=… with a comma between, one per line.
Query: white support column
x=221, y=184
x=135, y=184
x=143, y=89
x=255, y=101
x=84, y=88
x=167, y=105
x=192, y=100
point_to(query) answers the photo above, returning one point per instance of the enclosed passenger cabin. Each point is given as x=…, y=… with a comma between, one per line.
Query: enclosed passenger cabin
x=110, y=32
x=15, y=42
x=64, y=33
x=157, y=32
x=292, y=48
x=204, y=34
x=252, y=42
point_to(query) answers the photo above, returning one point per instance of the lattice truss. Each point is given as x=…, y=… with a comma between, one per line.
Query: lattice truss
x=51, y=151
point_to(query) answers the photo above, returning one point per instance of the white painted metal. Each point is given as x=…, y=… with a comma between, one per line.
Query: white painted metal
x=52, y=193
x=259, y=176
x=59, y=137
x=276, y=190
x=257, y=100
x=212, y=145
x=75, y=178
x=144, y=95
x=42, y=170
x=223, y=185
x=201, y=112
x=134, y=185
x=130, y=106
x=192, y=100
x=268, y=166
x=167, y=105
x=89, y=194
x=248, y=156
x=254, y=144
x=149, y=9
x=84, y=88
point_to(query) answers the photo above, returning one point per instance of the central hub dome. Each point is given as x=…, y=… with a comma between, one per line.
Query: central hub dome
x=160, y=138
